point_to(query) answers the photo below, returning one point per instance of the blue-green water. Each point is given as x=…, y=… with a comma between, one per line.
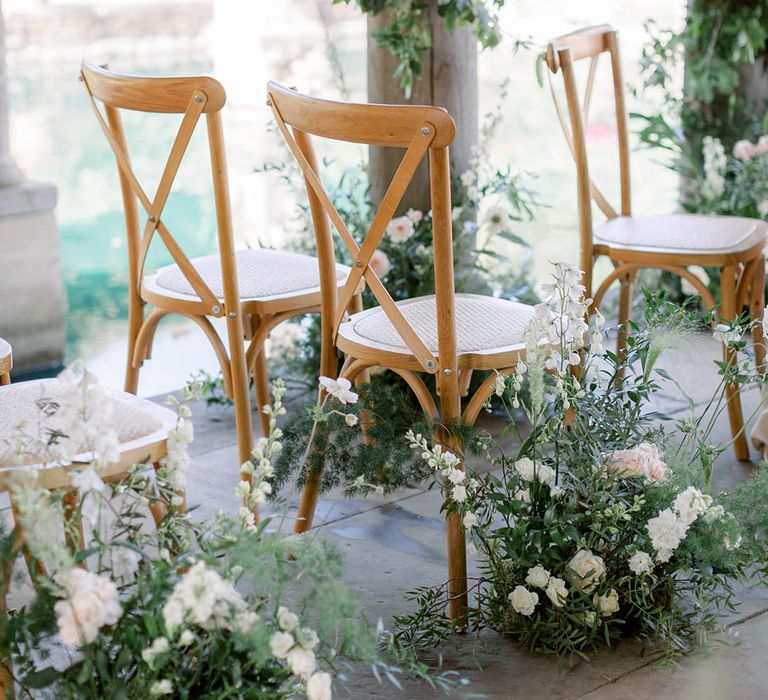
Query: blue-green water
x=60, y=141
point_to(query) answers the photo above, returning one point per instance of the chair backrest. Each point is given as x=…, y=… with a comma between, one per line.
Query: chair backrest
x=421, y=130
x=192, y=97
x=561, y=55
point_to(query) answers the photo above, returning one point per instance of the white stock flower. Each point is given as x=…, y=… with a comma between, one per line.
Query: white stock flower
x=470, y=520
x=607, y=604
x=319, y=686
x=713, y=514
x=287, y=620
x=159, y=646
x=400, y=229
x=538, y=577
x=186, y=638
x=468, y=178
x=307, y=638
x=280, y=643
x=556, y=591
x=163, y=687
x=340, y=389
x=690, y=504
x=641, y=563
x=459, y=493
x=92, y=602
x=203, y=598
x=530, y=471
x=302, y=662
x=523, y=601
x=666, y=531
x=715, y=162
x=587, y=570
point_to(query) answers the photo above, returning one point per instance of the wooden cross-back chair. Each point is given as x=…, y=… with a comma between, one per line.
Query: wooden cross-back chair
x=446, y=335
x=670, y=242
x=254, y=290
x=142, y=428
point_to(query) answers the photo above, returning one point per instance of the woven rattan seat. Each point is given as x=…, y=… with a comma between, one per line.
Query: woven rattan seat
x=681, y=233
x=262, y=274
x=485, y=326
x=136, y=421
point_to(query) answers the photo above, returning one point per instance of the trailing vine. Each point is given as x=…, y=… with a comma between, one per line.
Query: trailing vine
x=408, y=36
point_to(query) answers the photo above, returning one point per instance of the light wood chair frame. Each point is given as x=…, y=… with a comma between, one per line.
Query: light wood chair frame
x=250, y=320
x=424, y=132
x=742, y=272
x=149, y=449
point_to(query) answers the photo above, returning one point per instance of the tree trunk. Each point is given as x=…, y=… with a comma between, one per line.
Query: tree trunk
x=448, y=79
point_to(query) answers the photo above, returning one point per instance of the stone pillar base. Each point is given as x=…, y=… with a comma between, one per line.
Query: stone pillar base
x=31, y=291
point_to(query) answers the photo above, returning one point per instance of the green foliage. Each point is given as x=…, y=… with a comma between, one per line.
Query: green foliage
x=387, y=462
x=588, y=480
x=408, y=36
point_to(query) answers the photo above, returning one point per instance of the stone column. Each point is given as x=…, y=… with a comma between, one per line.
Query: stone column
x=31, y=290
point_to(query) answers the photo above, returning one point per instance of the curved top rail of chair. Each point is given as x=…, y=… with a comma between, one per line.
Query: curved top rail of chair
x=360, y=123
x=582, y=43
x=151, y=94
x=6, y=357
x=150, y=447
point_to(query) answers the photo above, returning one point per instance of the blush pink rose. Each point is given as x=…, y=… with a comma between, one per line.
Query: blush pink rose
x=379, y=263
x=400, y=229
x=642, y=460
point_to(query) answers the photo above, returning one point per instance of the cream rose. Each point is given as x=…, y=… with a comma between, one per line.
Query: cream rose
x=523, y=601
x=556, y=591
x=319, y=687
x=642, y=460
x=607, y=604
x=587, y=570
x=538, y=577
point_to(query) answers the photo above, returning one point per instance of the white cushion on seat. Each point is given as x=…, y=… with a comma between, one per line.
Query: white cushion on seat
x=20, y=416
x=261, y=273
x=483, y=324
x=681, y=233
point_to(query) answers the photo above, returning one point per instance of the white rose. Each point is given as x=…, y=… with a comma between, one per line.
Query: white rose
x=287, y=620
x=589, y=618
x=607, y=604
x=302, y=662
x=538, y=577
x=319, y=687
x=459, y=493
x=523, y=495
x=523, y=601
x=280, y=643
x=588, y=570
x=640, y=563
x=556, y=591
x=530, y=471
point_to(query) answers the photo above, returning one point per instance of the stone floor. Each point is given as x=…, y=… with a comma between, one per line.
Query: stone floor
x=396, y=543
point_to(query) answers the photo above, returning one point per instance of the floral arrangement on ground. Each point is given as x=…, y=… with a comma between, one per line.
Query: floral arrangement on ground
x=223, y=608
x=606, y=522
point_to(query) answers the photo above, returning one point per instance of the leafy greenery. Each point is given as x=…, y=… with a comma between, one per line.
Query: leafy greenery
x=584, y=534
x=408, y=36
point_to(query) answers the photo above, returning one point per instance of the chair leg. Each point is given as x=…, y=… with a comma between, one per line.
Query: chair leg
x=34, y=567
x=756, y=308
x=5, y=379
x=364, y=377
x=261, y=386
x=450, y=410
x=728, y=285
x=135, y=321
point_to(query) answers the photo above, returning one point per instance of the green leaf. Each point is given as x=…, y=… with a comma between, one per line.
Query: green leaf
x=42, y=678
